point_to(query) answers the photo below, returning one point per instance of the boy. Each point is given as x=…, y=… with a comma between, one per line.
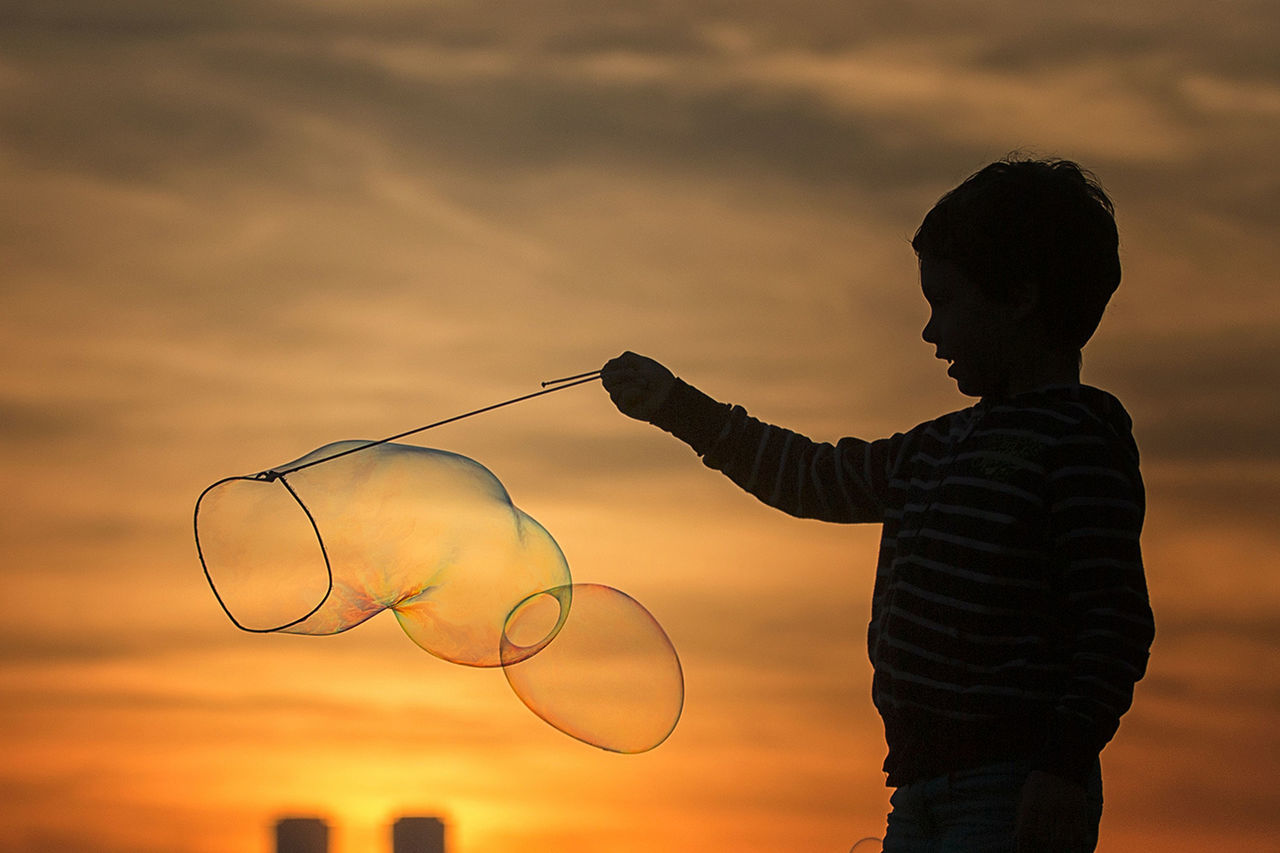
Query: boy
x=1009, y=616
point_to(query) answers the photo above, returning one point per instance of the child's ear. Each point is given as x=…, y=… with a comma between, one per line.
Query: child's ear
x=1024, y=295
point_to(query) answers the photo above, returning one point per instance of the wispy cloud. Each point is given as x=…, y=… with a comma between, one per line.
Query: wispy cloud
x=238, y=230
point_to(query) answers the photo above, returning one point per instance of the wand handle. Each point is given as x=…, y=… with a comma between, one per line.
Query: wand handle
x=559, y=385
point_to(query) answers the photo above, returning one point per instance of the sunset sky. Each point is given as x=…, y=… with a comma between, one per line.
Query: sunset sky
x=235, y=230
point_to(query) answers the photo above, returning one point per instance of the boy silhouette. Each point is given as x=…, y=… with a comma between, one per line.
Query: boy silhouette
x=1009, y=618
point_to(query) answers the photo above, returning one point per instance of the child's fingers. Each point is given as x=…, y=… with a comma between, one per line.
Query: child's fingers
x=637, y=385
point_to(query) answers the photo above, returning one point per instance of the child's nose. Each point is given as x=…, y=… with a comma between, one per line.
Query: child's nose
x=928, y=332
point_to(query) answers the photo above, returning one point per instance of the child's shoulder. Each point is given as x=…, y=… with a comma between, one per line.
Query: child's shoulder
x=1020, y=440
x=1074, y=419
x=1066, y=408
x=1049, y=416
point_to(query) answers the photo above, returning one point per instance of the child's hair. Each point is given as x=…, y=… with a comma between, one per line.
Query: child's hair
x=1047, y=221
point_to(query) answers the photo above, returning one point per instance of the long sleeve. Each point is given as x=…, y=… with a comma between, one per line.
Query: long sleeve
x=1009, y=616
x=842, y=482
x=1096, y=507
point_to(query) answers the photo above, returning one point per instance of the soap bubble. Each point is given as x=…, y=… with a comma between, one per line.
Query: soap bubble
x=867, y=845
x=329, y=540
x=607, y=675
x=430, y=535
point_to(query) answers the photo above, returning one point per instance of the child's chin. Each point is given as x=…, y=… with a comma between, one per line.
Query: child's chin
x=967, y=385
x=962, y=383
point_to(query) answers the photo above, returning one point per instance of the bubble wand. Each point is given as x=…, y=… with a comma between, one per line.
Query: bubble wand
x=471, y=578
x=549, y=387
x=434, y=538
x=278, y=474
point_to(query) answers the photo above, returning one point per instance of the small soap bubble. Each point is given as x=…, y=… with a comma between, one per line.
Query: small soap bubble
x=608, y=675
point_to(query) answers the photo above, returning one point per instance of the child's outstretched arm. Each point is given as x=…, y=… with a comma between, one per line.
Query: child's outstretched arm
x=844, y=482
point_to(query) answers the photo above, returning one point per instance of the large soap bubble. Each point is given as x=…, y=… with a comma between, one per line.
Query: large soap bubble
x=323, y=543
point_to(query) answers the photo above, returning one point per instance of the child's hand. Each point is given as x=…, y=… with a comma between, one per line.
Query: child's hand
x=637, y=385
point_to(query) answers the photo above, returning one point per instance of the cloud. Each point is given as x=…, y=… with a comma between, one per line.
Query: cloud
x=1204, y=395
x=25, y=422
x=238, y=101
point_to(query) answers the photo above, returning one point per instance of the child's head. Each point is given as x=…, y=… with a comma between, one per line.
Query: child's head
x=1043, y=223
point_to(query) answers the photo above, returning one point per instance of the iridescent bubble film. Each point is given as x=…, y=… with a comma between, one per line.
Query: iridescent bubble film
x=608, y=676
x=355, y=528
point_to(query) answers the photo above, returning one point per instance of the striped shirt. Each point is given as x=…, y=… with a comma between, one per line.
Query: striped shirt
x=1009, y=617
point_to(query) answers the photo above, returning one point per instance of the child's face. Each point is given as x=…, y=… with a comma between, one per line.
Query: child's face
x=969, y=329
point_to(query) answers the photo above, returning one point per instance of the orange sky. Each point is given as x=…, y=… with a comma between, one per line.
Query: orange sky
x=234, y=231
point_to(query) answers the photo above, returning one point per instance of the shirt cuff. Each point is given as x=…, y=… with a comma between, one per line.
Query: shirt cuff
x=692, y=417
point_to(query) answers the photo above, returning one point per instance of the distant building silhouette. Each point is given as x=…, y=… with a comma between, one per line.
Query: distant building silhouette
x=302, y=835
x=417, y=835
